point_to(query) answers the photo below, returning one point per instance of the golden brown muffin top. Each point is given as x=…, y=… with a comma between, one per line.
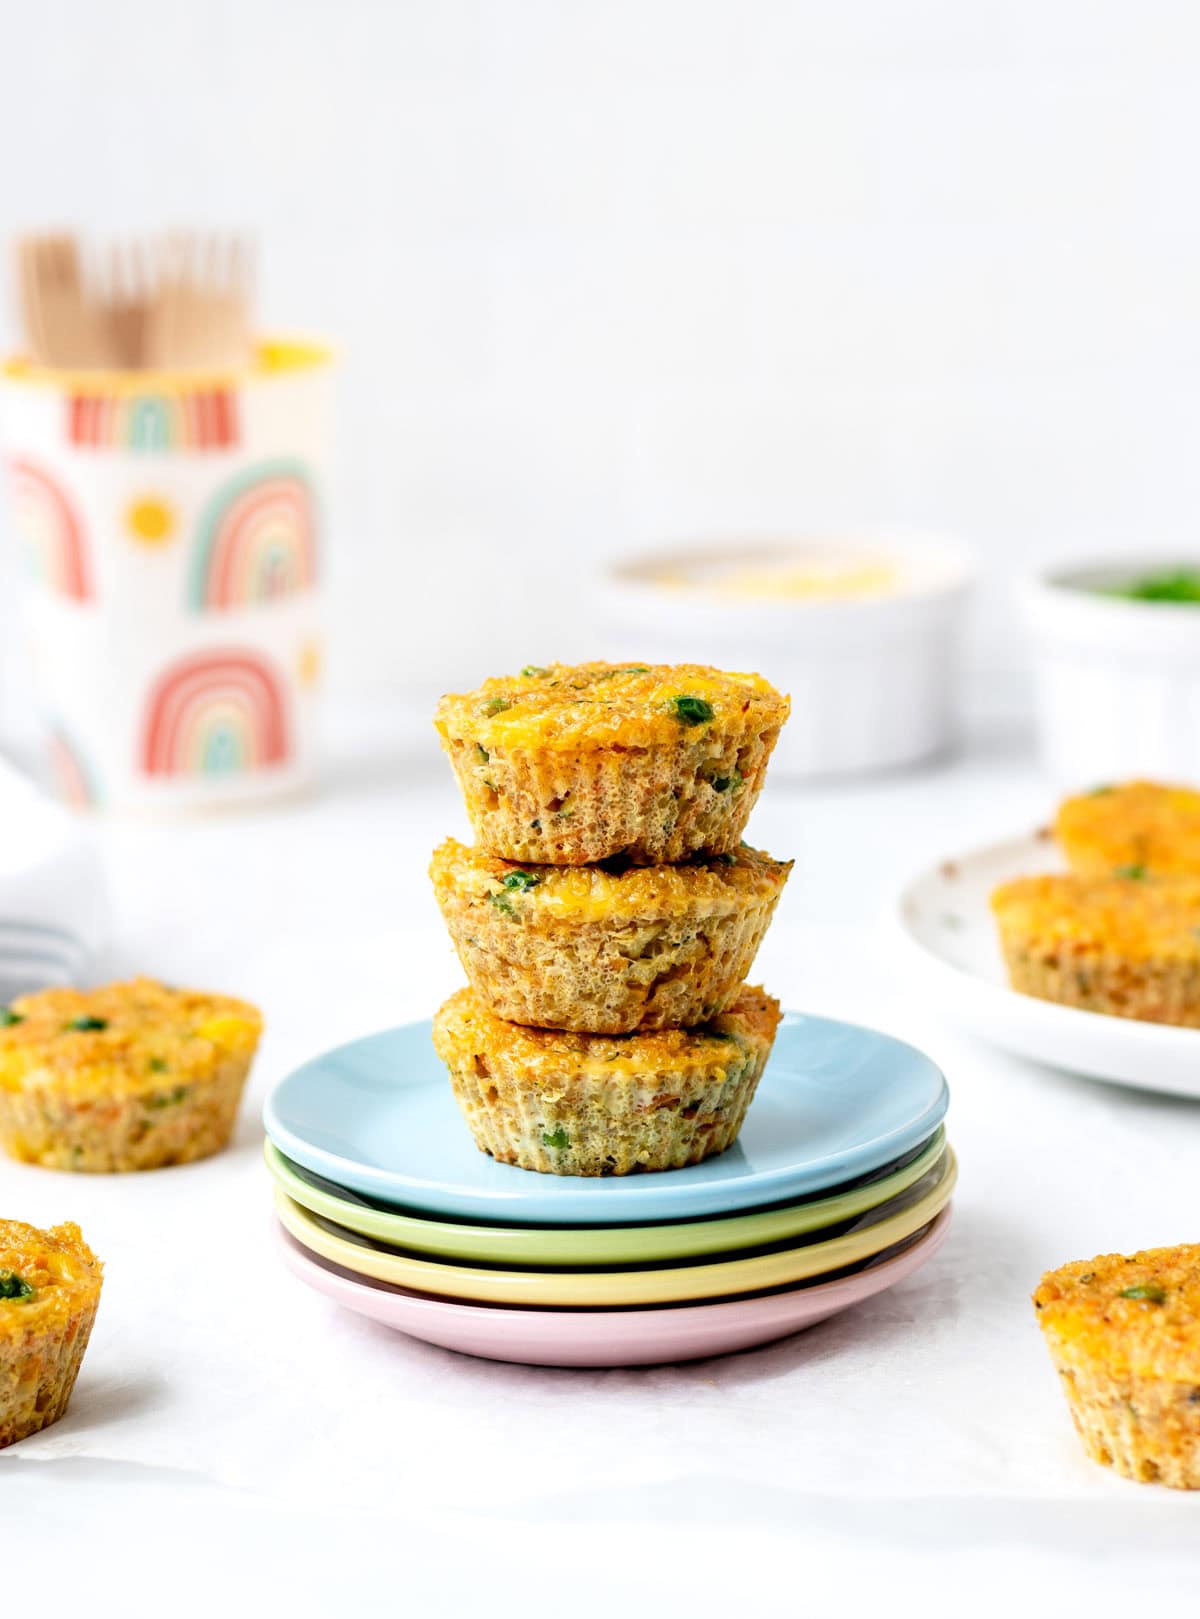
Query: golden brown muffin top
x=1133, y=1316
x=715, y=885
x=1139, y=826
x=739, y=1031
x=609, y=705
x=45, y=1276
x=136, y=1037
x=1105, y=916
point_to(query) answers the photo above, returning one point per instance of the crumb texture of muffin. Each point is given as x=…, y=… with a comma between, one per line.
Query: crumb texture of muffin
x=571, y=765
x=1124, y=1337
x=578, y=1104
x=49, y=1293
x=132, y=1076
x=1139, y=826
x=606, y=952
x=1125, y=946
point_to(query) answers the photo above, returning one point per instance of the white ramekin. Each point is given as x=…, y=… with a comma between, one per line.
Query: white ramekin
x=871, y=678
x=1117, y=682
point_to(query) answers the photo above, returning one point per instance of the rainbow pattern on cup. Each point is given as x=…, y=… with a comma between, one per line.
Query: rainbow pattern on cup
x=215, y=713
x=256, y=541
x=76, y=782
x=184, y=419
x=52, y=531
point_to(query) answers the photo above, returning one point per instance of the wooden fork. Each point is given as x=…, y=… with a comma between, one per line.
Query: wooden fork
x=200, y=312
x=64, y=324
x=126, y=298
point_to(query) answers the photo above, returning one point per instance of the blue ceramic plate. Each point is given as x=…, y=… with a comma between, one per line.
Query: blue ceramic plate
x=377, y=1116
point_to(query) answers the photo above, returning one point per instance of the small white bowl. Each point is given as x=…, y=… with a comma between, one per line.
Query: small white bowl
x=870, y=674
x=1117, y=681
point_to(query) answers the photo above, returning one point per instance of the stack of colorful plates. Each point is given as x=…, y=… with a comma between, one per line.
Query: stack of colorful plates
x=837, y=1188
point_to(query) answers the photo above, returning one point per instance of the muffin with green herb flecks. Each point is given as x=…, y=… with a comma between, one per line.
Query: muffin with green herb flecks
x=1141, y=827
x=573, y=764
x=607, y=951
x=1125, y=945
x=1124, y=1336
x=49, y=1293
x=590, y=1104
x=131, y=1076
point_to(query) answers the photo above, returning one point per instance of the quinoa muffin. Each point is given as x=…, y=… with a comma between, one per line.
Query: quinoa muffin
x=580, y=1104
x=567, y=766
x=132, y=1076
x=1124, y=1337
x=606, y=952
x=49, y=1294
x=1120, y=945
x=1140, y=828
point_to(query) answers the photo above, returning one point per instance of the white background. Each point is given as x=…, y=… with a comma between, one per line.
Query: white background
x=607, y=272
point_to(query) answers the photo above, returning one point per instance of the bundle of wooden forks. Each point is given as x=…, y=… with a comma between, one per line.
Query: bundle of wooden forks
x=179, y=301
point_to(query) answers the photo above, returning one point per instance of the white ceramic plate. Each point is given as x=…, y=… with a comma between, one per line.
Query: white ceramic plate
x=948, y=939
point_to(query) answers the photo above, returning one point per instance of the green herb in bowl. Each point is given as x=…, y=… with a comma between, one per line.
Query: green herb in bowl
x=1179, y=585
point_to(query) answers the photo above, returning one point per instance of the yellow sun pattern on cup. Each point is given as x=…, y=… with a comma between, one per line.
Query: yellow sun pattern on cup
x=150, y=520
x=308, y=664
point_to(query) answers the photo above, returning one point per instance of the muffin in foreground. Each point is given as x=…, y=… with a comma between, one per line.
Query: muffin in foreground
x=606, y=952
x=570, y=765
x=1139, y=828
x=1120, y=945
x=579, y=1104
x=131, y=1076
x=49, y=1294
x=1124, y=1337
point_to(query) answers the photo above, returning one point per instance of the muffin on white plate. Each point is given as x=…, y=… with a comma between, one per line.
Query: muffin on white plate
x=1143, y=829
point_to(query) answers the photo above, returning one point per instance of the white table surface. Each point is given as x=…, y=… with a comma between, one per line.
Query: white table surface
x=231, y=1430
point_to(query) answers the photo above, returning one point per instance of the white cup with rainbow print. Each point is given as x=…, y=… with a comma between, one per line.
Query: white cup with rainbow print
x=173, y=527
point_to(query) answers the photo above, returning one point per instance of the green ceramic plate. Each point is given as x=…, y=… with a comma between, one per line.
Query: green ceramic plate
x=722, y=1277
x=596, y=1245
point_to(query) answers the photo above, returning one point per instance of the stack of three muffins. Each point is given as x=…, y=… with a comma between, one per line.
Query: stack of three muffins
x=608, y=914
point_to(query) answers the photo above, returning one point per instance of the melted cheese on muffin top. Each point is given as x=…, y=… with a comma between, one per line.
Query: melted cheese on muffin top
x=608, y=705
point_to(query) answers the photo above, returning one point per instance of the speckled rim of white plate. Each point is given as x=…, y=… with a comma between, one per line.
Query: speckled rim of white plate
x=946, y=936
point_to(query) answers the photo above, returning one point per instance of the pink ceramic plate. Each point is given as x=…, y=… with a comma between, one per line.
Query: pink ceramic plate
x=636, y=1337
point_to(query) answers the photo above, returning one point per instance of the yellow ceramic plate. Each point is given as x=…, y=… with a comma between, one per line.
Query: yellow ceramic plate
x=890, y=1223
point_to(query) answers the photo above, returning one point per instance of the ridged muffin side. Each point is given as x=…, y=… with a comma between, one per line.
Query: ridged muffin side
x=575, y=764
x=579, y=1104
x=128, y=1077
x=49, y=1294
x=606, y=952
x=1124, y=1337
x=1138, y=826
x=1124, y=946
